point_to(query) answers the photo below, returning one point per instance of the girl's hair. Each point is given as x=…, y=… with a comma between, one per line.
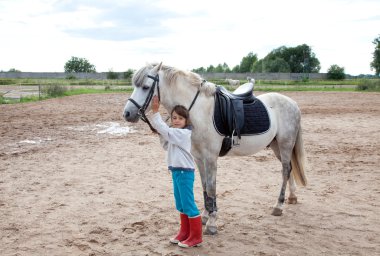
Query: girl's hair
x=182, y=111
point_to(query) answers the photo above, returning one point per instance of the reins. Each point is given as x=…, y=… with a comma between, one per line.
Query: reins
x=196, y=95
x=142, y=109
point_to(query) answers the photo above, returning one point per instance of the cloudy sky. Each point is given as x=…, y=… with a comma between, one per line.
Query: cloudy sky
x=41, y=35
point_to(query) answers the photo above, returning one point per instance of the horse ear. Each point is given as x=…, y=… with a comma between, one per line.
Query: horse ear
x=158, y=67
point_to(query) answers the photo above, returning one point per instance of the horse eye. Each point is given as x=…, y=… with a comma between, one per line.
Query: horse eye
x=145, y=87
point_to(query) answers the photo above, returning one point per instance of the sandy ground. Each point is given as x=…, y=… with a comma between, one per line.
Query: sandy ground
x=74, y=181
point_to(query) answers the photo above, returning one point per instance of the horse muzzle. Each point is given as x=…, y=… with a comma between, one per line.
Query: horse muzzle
x=131, y=117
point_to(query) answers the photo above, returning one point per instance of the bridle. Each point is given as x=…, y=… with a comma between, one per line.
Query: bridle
x=142, y=109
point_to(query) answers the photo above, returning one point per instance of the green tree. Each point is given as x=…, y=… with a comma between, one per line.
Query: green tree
x=14, y=70
x=277, y=65
x=258, y=66
x=219, y=69
x=246, y=64
x=128, y=74
x=226, y=68
x=199, y=70
x=112, y=75
x=236, y=69
x=210, y=69
x=76, y=65
x=375, y=64
x=335, y=72
x=300, y=59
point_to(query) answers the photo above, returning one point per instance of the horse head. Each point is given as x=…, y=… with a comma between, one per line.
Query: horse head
x=146, y=84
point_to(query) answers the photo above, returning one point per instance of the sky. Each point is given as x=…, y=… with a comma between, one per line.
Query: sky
x=42, y=35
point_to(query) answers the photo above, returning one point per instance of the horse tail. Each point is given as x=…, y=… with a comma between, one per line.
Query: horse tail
x=299, y=160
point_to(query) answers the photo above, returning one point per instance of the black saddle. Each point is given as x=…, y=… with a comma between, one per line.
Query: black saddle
x=230, y=107
x=238, y=113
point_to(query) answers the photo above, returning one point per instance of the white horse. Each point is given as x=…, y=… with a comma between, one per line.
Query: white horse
x=175, y=86
x=233, y=82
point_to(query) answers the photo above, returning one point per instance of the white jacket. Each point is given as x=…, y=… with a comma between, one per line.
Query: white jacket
x=177, y=142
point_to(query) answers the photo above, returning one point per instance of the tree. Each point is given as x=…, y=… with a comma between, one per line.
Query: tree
x=375, y=64
x=219, y=69
x=278, y=65
x=76, y=65
x=128, y=74
x=246, y=64
x=300, y=59
x=226, y=68
x=199, y=70
x=236, y=69
x=210, y=69
x=112, y=75
x=335, y=72
x=14, y=70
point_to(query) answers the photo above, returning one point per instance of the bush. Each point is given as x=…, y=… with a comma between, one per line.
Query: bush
x=335, y=72
x=128, y=74
x=369, y=85
x=77, y=65
x=55, y=90
x=112, y=75
x=71, y=77
x=6, y=81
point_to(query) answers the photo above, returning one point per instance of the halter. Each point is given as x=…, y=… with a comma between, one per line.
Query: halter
x=142, y=109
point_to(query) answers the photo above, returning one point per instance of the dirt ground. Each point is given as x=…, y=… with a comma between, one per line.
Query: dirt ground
x=76, y=179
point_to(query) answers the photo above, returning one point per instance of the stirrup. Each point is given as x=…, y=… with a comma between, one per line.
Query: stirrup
x=233, y=140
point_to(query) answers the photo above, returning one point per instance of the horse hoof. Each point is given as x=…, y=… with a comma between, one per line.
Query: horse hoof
x=210, y=231
x=292, y=200
x=277, y=212
x=204, y=220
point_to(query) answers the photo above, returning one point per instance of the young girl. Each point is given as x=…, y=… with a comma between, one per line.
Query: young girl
x=177, y=141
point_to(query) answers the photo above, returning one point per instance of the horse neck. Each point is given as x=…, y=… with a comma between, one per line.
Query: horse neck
x=184, y=94
x=179, y=94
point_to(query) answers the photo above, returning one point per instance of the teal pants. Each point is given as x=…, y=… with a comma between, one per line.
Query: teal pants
x=183, y=183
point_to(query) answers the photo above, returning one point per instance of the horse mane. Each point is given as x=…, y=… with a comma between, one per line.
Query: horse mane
x=172, y=75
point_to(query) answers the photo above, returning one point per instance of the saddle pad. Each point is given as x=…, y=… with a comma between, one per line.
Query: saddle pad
x=256, y=119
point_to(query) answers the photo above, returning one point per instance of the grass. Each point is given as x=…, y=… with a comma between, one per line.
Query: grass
x=92, y=91
x=305, y=89
x=71, y=92
x=62, y=81
x=370, y=85
x=296, y=82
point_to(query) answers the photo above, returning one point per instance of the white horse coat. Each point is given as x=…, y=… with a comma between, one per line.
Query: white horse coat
x=176, y=87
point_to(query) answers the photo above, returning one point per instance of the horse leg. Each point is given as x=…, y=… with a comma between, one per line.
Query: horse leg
x=202, y=172
x=284, y=156
x=277, y=211
x=292, y=199
x=210, y=196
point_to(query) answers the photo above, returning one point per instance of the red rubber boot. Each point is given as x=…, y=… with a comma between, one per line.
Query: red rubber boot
x=195, y=237
x=183, y=231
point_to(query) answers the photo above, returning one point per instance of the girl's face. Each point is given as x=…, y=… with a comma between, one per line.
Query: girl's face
x=178, y=121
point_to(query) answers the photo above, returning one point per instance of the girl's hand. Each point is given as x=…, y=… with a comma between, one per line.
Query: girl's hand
x=155, y=104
